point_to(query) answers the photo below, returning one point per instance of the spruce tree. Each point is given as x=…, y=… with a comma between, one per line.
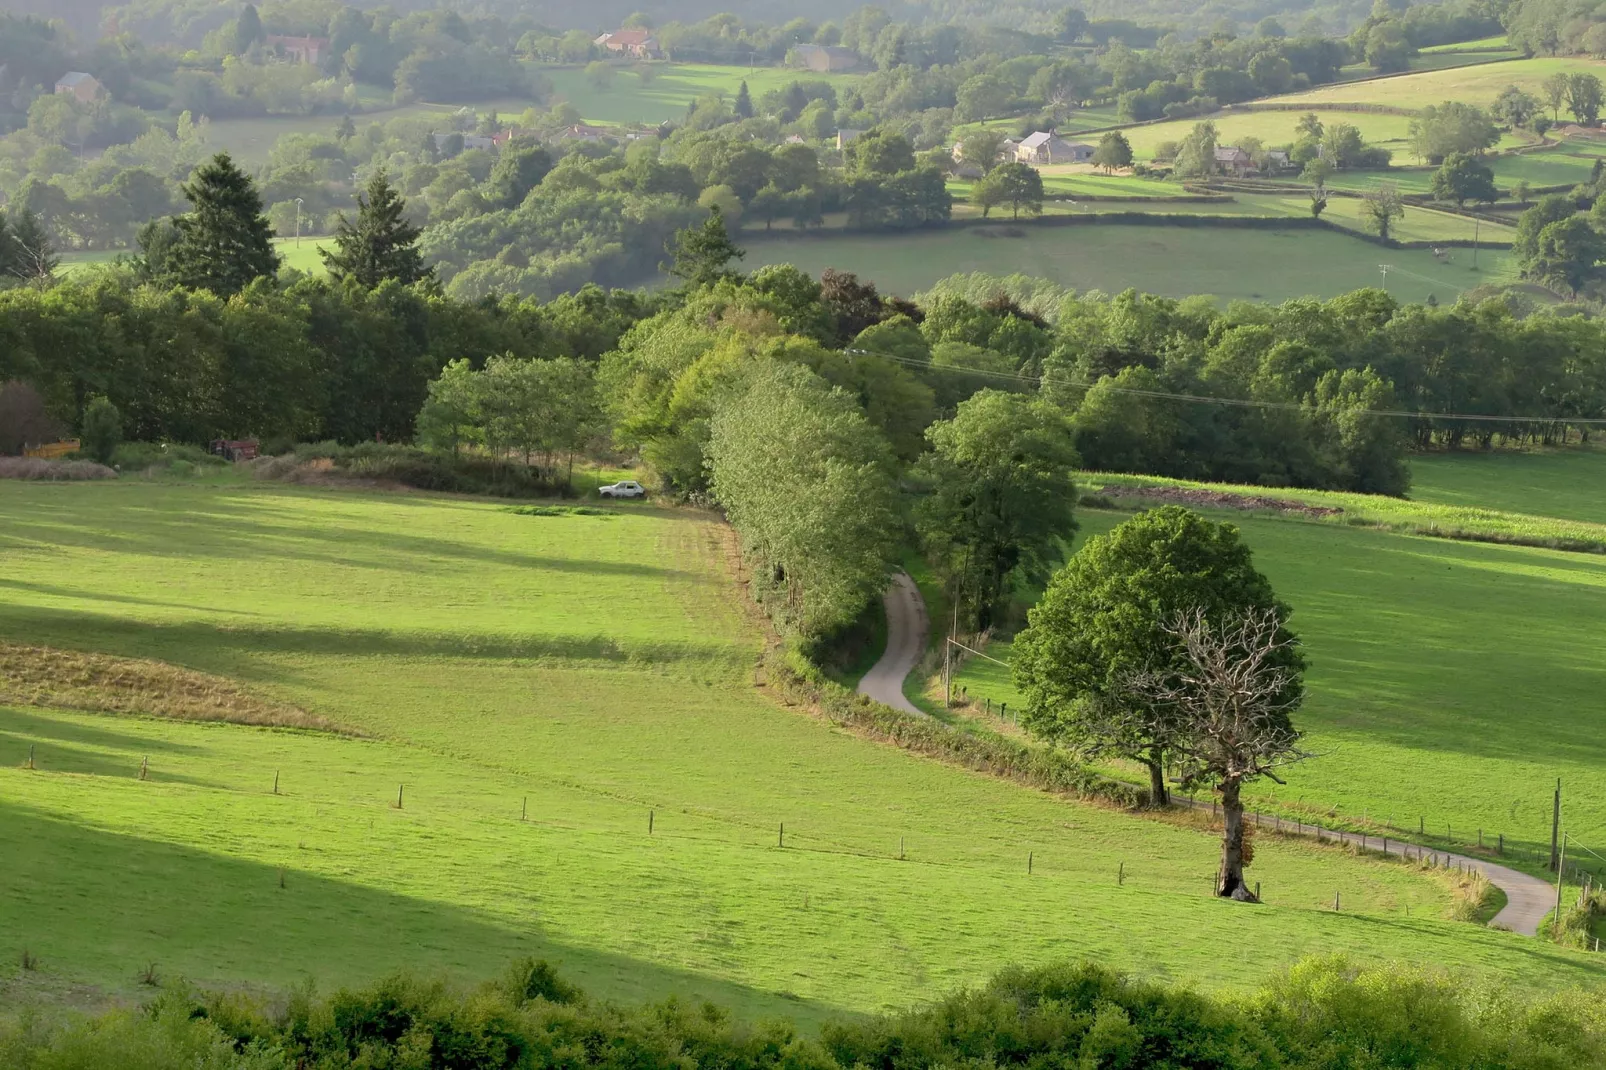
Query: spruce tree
x=223, y=242
x=381, y=244
x=744, y=103
x=701, y=253
x=26, y=251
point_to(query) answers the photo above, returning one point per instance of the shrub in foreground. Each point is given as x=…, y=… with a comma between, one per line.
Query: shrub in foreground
x=1324, y=1013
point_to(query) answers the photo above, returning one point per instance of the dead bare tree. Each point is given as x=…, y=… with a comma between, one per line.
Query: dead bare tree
x=1228, y=702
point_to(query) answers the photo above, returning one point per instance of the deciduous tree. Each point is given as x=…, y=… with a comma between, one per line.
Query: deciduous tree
x=1103, y=619
x=997, y=501
x=1225, y=694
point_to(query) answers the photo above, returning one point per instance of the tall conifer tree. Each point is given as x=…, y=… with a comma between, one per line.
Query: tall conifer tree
x=223, y=242
x=380, y=244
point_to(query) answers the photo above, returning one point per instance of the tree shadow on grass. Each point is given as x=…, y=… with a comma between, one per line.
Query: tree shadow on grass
x=98, y=907
x=201, y=645
x=237, y=528
x=82, y=594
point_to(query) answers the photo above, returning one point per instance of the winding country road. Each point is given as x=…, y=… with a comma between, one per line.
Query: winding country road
x=906, y=642
x=1528, y=898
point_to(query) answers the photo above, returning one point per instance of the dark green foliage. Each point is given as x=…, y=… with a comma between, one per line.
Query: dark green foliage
x=223, y=242
x=702, y=253
x=995, y=507
x=1464, y=177
x=102, y=429
x=744, y=103
x=411, y=467
x=26, y=252
x=381, y=244
x=519, y=169
x=1103, y=617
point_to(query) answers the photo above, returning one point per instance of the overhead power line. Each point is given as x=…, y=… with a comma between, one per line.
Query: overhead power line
x=1241, y=403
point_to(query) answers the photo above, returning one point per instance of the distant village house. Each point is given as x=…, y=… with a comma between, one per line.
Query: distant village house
x=845, y=135
x=638, y=43
x=825, y=58
x=306, y=50
x=1045, y=147
x=85, y=87
x=1232, y=160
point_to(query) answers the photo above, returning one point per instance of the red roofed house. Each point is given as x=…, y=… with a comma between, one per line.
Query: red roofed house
x=639, y=43
x=85, y=87
x=308, y=50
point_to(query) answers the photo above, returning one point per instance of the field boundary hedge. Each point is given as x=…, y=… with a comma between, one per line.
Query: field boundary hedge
x=798, y=680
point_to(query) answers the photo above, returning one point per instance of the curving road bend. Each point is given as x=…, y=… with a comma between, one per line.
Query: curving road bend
x=1528, y=898
x=906, y=644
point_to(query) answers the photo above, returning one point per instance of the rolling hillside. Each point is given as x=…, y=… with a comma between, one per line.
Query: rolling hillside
x=563, y=708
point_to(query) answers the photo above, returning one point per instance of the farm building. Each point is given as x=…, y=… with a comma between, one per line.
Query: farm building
x=824, y=58
x=1048, y=147
x=85, y=87
x=1233, y=161
x=305, y=50
x=846, y=135
x=638, y=43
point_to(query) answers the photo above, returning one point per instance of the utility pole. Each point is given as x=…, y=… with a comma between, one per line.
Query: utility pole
x=1475, y=224
x=298, y=222
x=1555, y=827
x=1385, y=269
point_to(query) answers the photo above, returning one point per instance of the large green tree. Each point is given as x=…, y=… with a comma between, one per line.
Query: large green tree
x=1104, y=619
x=1114, y=152
x=807, y=484
x=380, y=244
x=1462, y=178
x=998, y=498
x=223, y=242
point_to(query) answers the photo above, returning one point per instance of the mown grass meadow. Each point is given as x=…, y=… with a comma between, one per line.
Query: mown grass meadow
x=539, y=688
x=1269, y=265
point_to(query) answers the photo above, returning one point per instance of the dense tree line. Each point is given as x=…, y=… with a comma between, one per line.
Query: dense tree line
x=1320, y=1013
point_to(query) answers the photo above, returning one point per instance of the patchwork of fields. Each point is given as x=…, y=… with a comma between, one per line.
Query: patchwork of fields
x=534, y=691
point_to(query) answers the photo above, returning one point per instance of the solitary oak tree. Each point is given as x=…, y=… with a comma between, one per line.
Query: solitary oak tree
x=1103, y=619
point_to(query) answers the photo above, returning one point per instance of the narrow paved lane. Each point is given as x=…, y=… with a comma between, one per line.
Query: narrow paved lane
x=1528, y=898
x=906, y=642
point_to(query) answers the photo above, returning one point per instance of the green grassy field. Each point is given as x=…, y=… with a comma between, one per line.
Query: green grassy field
x=303, y=257
x=1255, y=264
x=251, y=140
x=1475, y=84
x=1561, y=483
x=1497, y=41
x=592, y=669
x=1277, y=128
x=626, y=99
x=1081, y=181
x=1450, y=682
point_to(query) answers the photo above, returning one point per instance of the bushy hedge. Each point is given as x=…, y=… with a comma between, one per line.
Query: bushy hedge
x=1324, y=1013
x=383, y=462
x=1038, y=767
